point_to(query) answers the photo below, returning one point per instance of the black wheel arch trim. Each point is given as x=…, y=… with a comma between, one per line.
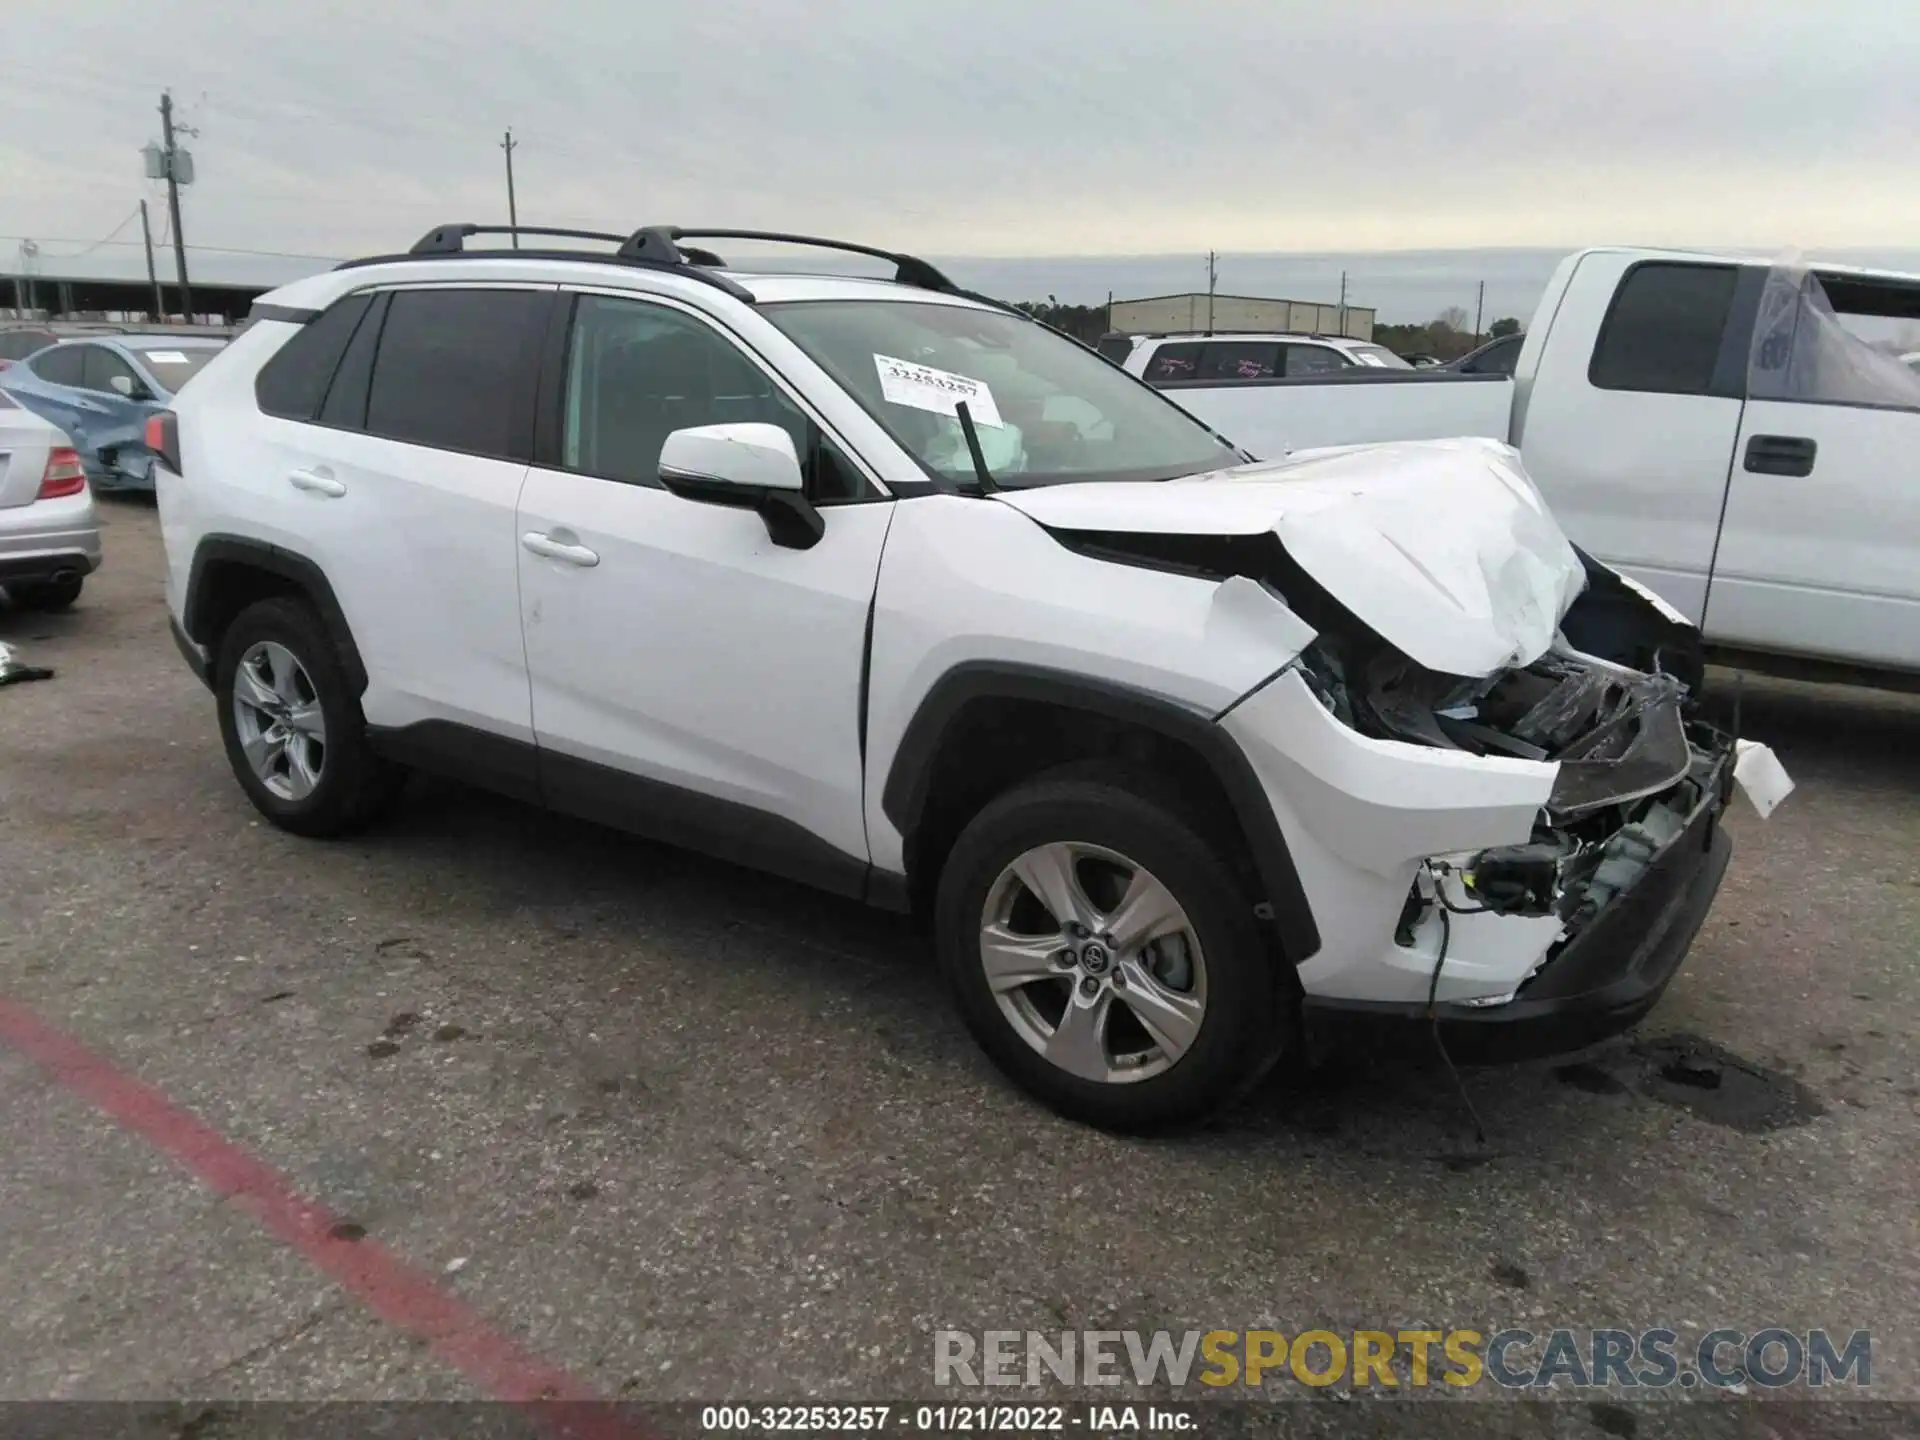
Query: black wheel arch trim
x=909, y=775
x=275, y=560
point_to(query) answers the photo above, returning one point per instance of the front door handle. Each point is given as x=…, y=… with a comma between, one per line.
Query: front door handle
x=317, y=482
x=559, y=549
x=1781, y=455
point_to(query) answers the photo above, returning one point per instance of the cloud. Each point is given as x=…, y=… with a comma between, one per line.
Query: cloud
x=1000, y=127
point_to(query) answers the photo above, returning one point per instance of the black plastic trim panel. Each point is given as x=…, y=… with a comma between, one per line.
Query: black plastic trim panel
x=276, y=560
x=724, y=829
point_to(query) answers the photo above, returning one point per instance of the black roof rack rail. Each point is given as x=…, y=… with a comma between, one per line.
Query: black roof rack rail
x=446, y=242
x=907, y=269
x=451, y=239
x=658, y=247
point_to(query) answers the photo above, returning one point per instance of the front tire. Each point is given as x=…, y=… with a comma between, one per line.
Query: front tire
x=292, y=725
x=1104, y=954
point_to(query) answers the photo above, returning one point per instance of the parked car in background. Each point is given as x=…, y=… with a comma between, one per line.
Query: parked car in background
x=1496, y=357
x=49, y=536
x=100, y=390
x=1158, y=358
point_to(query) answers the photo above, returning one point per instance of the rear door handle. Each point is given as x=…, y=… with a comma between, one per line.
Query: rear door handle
x=1781, y=454
x=317, y=482
x=559, y=549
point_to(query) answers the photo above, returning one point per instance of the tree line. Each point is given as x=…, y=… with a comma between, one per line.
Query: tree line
x=1445, y=337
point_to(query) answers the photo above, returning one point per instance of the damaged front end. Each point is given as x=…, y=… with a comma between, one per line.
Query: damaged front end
x=1637, y=764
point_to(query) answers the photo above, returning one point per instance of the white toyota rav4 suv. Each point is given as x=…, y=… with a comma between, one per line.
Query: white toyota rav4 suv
x=885, y=587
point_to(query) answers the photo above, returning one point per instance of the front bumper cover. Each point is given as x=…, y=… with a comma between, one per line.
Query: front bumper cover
x=1602, y=981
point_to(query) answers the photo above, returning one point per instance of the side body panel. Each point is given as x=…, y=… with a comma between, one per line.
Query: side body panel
x=1825, y=563
x=969, y=580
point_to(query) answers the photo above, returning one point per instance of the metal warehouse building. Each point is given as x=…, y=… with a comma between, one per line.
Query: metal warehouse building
x=1202, y=312
x=112, y=283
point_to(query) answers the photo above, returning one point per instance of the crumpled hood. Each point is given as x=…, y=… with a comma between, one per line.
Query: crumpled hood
x=1443, y=547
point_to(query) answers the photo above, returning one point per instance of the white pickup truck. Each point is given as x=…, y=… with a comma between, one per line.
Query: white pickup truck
x=1717, y=428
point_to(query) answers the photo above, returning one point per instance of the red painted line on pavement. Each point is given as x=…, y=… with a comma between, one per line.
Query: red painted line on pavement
x=403, y=1296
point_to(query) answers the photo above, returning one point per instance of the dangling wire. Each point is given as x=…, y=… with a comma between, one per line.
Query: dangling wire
x=1433, y=1020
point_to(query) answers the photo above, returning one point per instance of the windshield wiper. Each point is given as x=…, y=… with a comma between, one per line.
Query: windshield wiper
x=983, y=475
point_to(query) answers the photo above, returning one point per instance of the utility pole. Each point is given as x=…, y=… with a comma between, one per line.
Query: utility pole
x=513, y=213
x=1211, y=275
x=1479, y=309
x=172, y=154
x=1343, y=304
x=29, y=256
x=146, y=235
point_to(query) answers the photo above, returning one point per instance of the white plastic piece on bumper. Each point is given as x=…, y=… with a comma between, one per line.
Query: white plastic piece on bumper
x=1360, y=817
x=1760, y=776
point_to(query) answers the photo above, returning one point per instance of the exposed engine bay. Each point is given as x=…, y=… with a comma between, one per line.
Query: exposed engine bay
x=1612, y=701
x=1636, y=764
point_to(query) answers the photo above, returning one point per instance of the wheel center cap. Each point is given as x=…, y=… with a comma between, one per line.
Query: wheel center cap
x=1095, y=958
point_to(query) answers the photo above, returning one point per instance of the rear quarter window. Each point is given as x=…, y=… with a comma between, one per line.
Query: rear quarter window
x=1664, y=329
x=61, y=366
x=294, y=382
x=1179, y=361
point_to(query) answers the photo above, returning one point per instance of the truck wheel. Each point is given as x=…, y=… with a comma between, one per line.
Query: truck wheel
x=293, y=729
x=1103, y=953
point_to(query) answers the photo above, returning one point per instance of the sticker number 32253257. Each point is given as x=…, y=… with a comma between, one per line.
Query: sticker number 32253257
x=921, y=387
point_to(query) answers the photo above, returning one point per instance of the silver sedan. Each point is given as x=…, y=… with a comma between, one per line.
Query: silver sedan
x=49, y=534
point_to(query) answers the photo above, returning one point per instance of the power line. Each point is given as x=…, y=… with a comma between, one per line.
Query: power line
x=103, y=240
x=195, y=248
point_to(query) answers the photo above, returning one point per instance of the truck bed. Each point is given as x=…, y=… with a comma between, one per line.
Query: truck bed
x=1271, y=417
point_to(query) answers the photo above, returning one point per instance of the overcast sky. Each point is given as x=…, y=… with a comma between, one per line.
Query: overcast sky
x=992, y=127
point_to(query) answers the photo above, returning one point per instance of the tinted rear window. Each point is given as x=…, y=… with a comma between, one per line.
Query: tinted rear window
x=61, y=366
x=294, y=381
x=1175, y=362
x=1240, y=360
x=1664, y=329
x=456, y=370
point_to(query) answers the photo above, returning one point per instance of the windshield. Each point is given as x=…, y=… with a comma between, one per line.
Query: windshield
x=1380, y=357
x=173, y=366
x=1046, y=410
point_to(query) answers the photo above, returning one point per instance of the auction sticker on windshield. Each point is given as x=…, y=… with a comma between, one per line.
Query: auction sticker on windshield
x=921, y=387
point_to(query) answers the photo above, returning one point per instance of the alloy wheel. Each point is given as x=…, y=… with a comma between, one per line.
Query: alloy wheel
x=1093, y=962
x=276, y=711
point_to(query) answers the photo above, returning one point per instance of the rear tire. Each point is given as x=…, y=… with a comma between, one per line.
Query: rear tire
x=52, y=594
x=1207, y=988
x=296, y=738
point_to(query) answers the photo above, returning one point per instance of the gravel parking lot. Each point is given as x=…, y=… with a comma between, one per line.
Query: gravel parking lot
x=672, y=1130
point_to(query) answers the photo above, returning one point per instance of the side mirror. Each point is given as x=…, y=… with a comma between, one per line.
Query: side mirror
x=131, y=388
x=753, y=466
